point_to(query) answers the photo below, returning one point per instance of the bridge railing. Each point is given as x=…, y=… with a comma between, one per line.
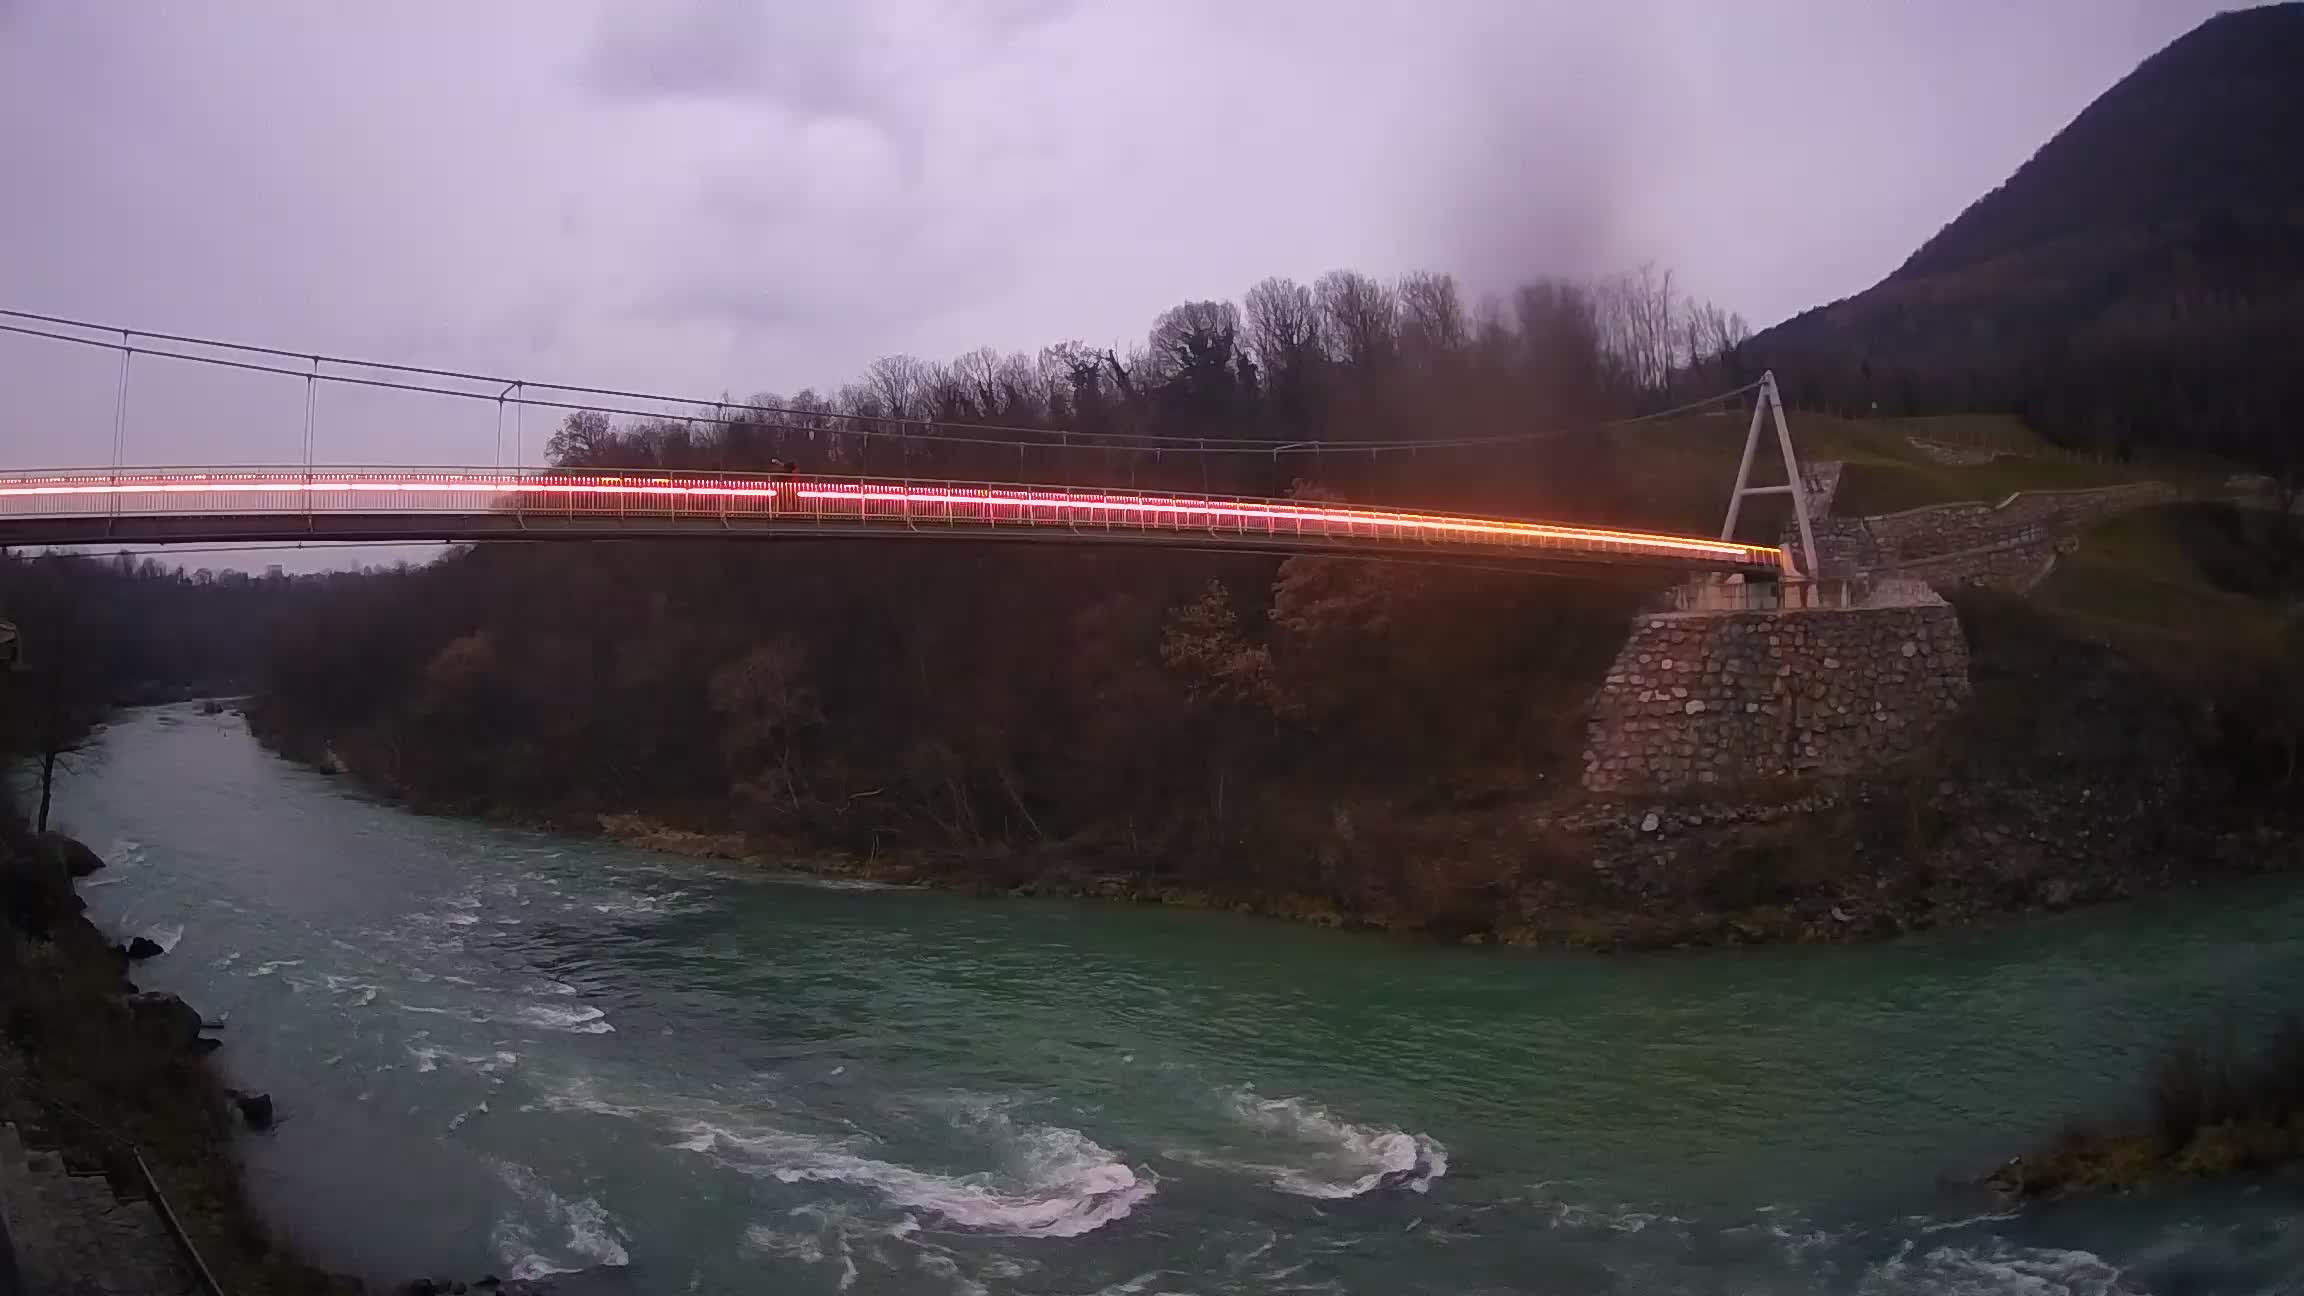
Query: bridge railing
x=547, y=496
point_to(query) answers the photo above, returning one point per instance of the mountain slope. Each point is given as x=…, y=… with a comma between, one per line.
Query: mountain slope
x=2139, y=281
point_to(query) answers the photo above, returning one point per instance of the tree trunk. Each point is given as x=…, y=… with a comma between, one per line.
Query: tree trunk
x=47, y=786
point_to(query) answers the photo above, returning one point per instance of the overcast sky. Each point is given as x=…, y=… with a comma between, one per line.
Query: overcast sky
x=747, y=195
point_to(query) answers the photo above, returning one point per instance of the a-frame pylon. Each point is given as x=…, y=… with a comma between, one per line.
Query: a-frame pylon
x=1765, y=405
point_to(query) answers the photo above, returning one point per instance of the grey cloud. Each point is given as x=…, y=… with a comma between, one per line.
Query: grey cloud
x=1008, y=17
x=813, y=57
x=778, y=257
x=707, y=195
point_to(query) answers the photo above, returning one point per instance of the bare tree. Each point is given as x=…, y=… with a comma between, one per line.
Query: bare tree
x=584, y=439
x=1567, y=356
x=1711, y=332
x=766, y=704
x=1194, y=337
x=977, y=374
x=1432, y=318
x=809, y=430
x=50, y=707
x=57, y=743
x=1283, y=326
x=948, y=395
x=1357, y=319
x=1638, y=322
x=1021, y=398
x=900, y=383
x=1051, y=380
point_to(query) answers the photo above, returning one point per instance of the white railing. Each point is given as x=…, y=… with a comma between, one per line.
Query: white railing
x=515, y=498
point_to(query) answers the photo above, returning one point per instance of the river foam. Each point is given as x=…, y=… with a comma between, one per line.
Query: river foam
x=1346, y=1159
x=1992, y=1268
x=1043, y=1181
x=165, y=935
x=588, y=1236
x=1054, y=1182
x=580, y=1020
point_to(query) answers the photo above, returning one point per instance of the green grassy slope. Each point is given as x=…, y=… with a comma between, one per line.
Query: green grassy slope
x=1675, y=473
x=2169, y=581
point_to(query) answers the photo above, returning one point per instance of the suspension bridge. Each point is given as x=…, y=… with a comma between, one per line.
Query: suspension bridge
x=239, y=505
x=315, y=502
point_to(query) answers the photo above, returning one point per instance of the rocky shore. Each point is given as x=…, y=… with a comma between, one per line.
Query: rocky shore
x=96, y=1074
x=93, y=1068
x=2097, y=1161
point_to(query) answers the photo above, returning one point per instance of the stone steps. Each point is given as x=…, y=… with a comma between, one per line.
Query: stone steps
x=73, y=1236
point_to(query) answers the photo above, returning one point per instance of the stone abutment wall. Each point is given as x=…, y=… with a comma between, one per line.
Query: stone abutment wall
x=1697, y=701
x=2006, y=544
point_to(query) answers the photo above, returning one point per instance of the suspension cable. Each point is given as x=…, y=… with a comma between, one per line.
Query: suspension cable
x=1062, y=438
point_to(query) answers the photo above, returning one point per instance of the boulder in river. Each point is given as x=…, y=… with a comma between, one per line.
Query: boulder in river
x=77, y=858
x=173, y=1020
x=255, y=1108
x=144, y=947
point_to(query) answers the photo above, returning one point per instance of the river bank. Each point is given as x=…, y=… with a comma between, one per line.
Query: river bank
x=2076, y=776
x=1820, y=869
x=98, y=1077
x=90, y=1067
x=1850, y=864
x=2219, y=1105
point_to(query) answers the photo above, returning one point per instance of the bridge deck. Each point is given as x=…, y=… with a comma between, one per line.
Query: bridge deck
x=224, y=505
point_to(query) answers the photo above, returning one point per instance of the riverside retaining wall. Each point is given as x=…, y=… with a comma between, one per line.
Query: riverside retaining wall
x=2009, y=543
x=1697, y=701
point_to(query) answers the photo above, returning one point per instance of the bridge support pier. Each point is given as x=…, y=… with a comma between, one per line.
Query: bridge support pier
x=1703, y=700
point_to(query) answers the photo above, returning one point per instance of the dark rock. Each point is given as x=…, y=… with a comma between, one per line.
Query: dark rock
x=256, y=1109
x=204, y=1045
x=490, y=1283
x=78, y=860
x=174, y=1020
x=36, y=892
x=144, y=947
x=2008, y=1179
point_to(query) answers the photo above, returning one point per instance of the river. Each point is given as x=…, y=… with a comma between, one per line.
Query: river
x=496, y=1050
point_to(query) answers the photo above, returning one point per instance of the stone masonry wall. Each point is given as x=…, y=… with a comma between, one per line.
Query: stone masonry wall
x=1820, y=482
x=2009, y=543
x=1696, y=701
x=1958, y=456
x=2017, y=564
x=1954, y=528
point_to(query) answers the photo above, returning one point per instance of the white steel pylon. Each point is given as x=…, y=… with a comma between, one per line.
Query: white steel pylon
x=1765, y=405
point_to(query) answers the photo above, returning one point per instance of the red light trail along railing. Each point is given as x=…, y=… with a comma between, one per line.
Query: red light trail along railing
x=168, y=505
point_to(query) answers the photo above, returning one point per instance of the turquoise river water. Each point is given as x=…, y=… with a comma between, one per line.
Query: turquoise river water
x=500, y=1051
